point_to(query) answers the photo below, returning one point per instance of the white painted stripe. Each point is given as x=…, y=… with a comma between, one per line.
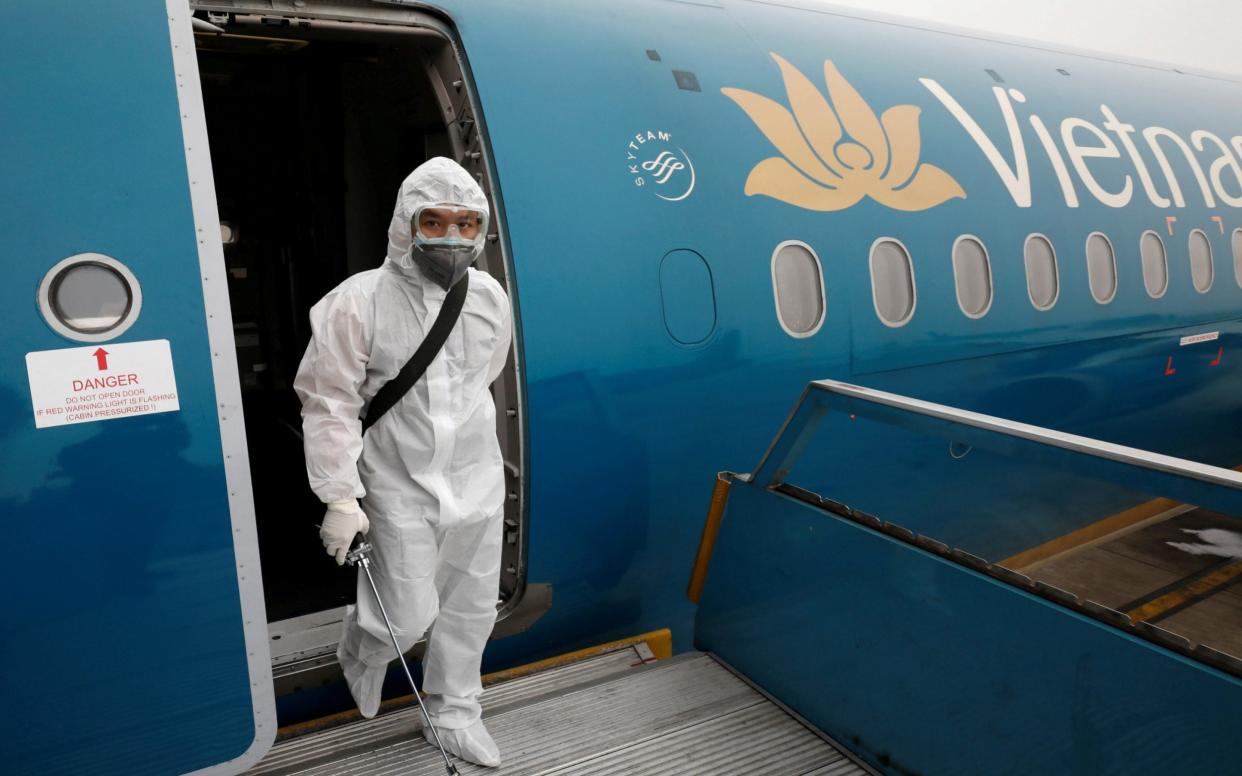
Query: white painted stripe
x=227, y=386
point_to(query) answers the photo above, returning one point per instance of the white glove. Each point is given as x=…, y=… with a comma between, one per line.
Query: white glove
x=341, y=523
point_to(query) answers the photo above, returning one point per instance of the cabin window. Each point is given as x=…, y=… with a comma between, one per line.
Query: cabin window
x=1155, y=264
x=1237, y=256
x=892, y=282
x=1101, y=268
x=798, y=285
x=1042, y=281
x=973, y=276
x=1200, y=261
x=90, y=297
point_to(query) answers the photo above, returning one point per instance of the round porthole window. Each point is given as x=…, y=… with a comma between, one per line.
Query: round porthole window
x=89, y=297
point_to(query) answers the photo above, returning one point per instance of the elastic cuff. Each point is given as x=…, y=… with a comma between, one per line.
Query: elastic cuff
x=347, y=506
x=453, y=719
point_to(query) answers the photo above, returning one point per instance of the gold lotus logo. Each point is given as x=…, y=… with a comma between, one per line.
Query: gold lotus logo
x=835, y=151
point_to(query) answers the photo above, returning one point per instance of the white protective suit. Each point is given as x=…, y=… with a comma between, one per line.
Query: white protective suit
x=429, y=473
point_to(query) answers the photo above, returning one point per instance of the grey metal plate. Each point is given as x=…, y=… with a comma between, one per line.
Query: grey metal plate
x=297, y=754
x=608, y=715
x=756, y=739
x=560, y=679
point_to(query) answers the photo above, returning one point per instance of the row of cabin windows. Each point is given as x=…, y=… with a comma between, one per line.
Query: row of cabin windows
x=798, y=281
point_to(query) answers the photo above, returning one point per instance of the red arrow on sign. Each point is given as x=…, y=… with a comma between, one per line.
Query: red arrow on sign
x=101, y=357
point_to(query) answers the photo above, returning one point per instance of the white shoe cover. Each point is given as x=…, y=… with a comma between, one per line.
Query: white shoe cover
x=472, y=744
x=366, y=684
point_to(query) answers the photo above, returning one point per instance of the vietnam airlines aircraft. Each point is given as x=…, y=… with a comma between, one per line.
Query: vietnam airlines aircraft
x=701, y=206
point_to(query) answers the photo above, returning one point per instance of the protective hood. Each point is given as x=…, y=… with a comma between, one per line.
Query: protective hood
x=436, y=181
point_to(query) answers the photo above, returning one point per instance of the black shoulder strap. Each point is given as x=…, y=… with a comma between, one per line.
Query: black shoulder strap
x=391, y=392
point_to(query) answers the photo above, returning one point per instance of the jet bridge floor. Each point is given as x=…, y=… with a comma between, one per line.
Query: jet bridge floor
x=617, y=713
x=1178, y=570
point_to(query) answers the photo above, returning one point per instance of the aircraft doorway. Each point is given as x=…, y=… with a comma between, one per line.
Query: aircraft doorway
x=313, y=125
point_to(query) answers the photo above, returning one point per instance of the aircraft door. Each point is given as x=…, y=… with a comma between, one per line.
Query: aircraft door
x=135, y=638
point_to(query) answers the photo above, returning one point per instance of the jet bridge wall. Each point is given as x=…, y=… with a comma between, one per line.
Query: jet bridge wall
x=922, y=665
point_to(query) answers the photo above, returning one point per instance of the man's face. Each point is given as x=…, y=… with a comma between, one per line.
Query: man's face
x=436, y=222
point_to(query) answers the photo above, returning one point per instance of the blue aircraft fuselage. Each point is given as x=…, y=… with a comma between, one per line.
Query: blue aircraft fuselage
x=646, y=294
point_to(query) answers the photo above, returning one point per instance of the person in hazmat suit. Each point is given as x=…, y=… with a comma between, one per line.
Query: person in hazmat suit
x=429, y=472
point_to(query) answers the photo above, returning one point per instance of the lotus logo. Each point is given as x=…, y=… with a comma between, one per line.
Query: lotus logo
x=835, y=151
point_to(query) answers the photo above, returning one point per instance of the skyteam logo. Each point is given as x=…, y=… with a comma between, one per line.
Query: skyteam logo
x=663, y=166
x=834, y=152
x=656, y=163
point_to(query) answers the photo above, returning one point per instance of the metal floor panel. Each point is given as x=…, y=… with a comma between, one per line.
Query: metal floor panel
x=295, y=755
x=557, y=731
x=757, y=739
x=688, y=715
x=559, y=679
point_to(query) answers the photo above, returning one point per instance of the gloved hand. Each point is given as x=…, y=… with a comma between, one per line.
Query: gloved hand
x=341, y=523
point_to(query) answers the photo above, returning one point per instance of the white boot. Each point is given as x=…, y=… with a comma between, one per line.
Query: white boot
x=365, y=682
x=472, y=744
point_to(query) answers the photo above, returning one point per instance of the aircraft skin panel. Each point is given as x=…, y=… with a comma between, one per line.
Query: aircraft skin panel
x=131, y=642
x=602, y=364
x=573, y=119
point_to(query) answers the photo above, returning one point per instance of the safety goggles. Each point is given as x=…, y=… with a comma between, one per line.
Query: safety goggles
x=447, y=223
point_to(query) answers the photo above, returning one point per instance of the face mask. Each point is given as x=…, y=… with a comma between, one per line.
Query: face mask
x=444, y=264
x=447, y=240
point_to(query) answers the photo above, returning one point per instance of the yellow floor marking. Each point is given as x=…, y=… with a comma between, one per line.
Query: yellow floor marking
x=660, y=642
x=1091, y=535
x=1175, y=598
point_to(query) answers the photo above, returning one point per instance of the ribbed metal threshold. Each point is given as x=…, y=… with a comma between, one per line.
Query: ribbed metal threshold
x=609, y=715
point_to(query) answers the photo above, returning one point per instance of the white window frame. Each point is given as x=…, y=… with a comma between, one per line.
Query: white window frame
x=957, y=291
x=1086, y=255
x=1237, y=256
x=53, y=319
x=1190, y=262
x=1056, y=271
x=776, y=291
x=1164, y=249
x=914, y=292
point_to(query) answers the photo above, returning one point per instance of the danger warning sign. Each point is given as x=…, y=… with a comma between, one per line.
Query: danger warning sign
x=83, y=385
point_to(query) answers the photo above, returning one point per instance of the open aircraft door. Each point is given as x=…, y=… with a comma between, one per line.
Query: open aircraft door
x=134, y=634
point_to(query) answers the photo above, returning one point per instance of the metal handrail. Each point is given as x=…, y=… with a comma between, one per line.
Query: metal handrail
x=774, y=467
